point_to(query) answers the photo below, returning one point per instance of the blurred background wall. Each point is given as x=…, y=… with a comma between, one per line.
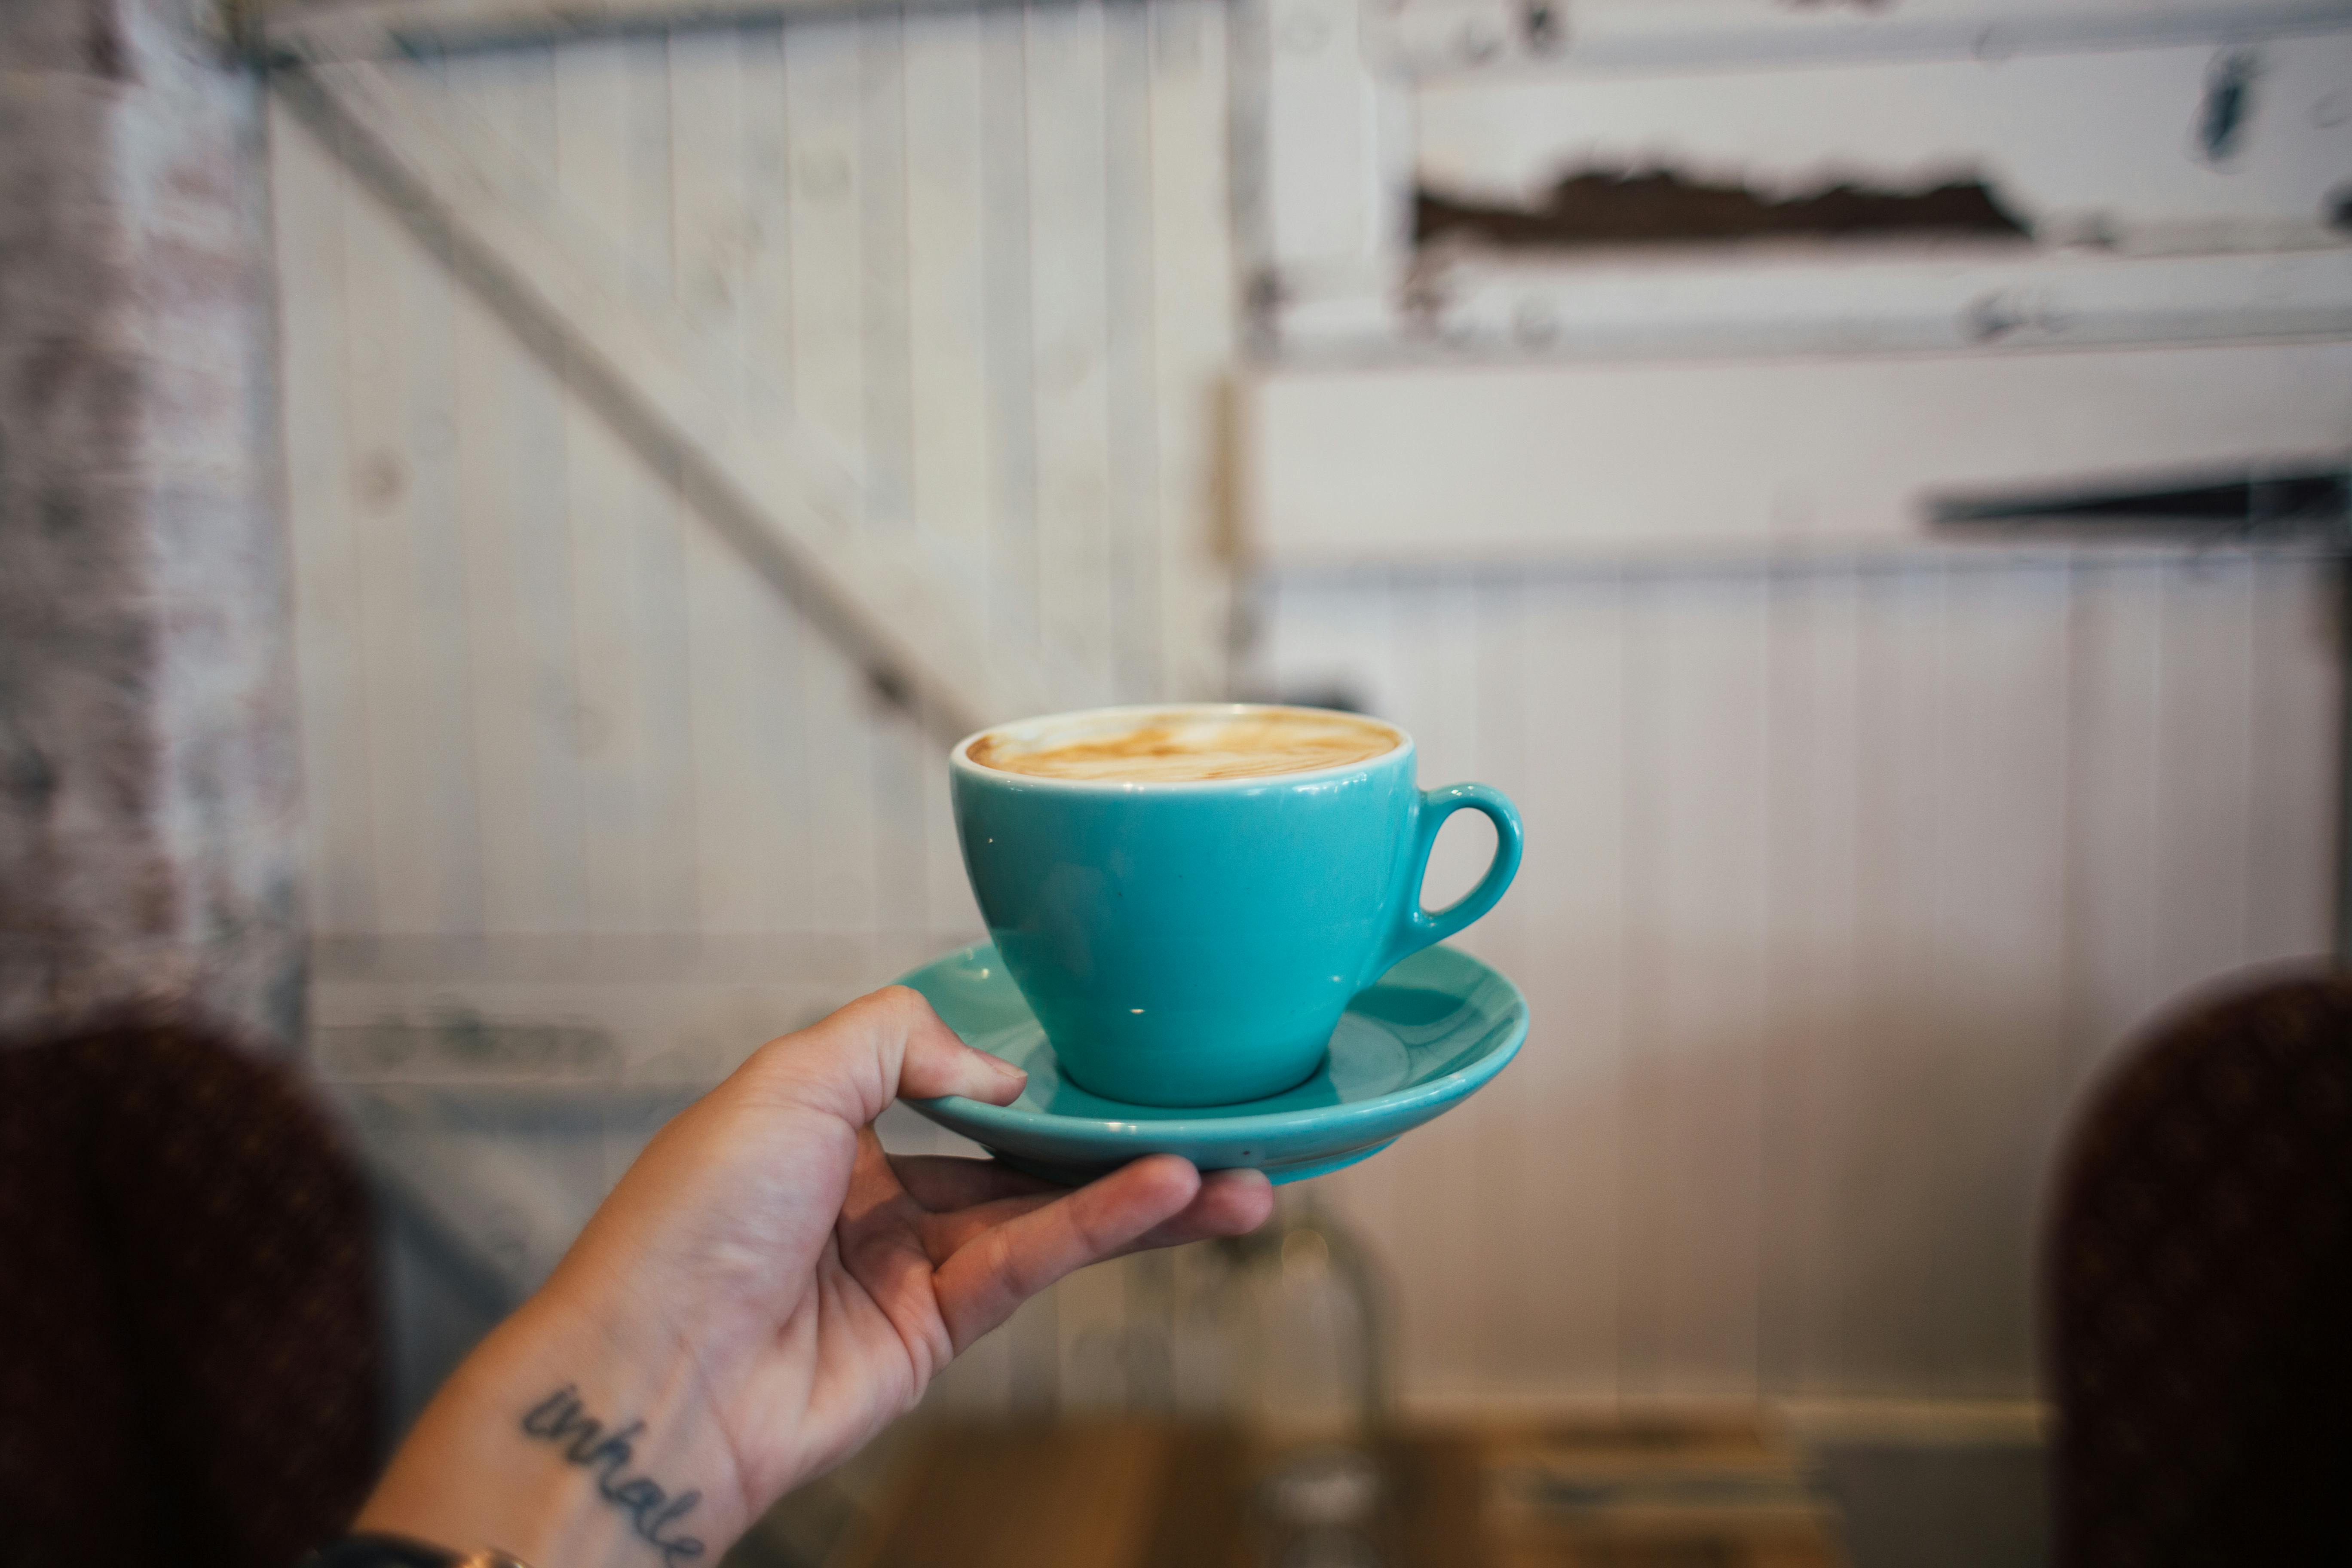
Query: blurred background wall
x=1143, y=332
x=150, y=799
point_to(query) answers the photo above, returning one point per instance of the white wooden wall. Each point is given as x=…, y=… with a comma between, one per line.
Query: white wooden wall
x=1840, y=878
x=984, y=254
x=1839, y=881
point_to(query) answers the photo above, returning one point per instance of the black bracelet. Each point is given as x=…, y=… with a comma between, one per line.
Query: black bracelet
x=370, y=1550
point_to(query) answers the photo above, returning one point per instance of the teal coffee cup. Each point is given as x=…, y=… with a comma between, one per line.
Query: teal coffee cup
x=1191, y=940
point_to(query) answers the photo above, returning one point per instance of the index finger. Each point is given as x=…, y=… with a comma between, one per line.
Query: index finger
x=856, y=1061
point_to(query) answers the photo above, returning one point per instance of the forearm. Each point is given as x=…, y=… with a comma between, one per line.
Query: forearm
x=568, y=1450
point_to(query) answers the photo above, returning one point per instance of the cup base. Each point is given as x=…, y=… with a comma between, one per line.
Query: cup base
x=1159, y=1092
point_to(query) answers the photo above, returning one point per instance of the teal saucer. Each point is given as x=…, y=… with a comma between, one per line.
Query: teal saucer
x=1410, y=1047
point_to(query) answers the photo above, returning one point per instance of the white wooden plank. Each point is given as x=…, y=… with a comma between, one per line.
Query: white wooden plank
x=308, y=199
x=823, y=96
x=949, y=414
x=1502, y=636
x=1511, y=462
x=883, y=263
x=1567, y=1089
x=744, y=805
x=661, y=726
x=900, y=752
x=1818, y=298
x=2298, y=719
x=2204, y=771
x=529, y=874
x=511, y=437
x=947, y=282
x=522, y=885
x=1351, y=640
x=1014, y=618
x=2115, y=695
x=776, y=644
x=2078, y=144
x=1069, y=323
x=821, y=108
x=1814, y=978
x=422, y=809
x=1328, y=643
x=628, y=618
x=1131, y=511
x=1696, y=989
x=1330, y=208
x=763, y=326
x=1195, y=317
x=1995, y=1076
x=1887, y=1177
x=711, y=237
x=949, y=908
x=1436, y=1168
x=605, y=487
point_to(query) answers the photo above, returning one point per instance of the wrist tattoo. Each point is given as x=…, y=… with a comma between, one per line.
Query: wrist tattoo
x=560, y=1419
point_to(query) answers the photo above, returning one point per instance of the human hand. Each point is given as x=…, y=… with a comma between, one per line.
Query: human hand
x=764, y=1291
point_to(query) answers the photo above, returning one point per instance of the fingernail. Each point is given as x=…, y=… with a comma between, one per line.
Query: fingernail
x=1006, y=1070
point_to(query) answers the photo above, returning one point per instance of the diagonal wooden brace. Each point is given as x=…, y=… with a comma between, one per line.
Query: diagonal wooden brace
x=776, y=493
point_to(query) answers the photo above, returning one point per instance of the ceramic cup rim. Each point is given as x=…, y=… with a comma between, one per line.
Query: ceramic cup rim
x=960, y=760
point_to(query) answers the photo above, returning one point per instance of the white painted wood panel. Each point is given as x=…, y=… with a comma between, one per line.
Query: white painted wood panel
x=948, y=371
x=1812, y=1107
x=657, y=736
x=2296, y=757
x=510, y=442
x=1130, y=391
x=2001, y=917
x=752, y=846
x=2177, y=169
x=1069, y=321
x=1695, y=987
x=1564, y=1136
x=412, y=678
x=1835, y=877
x=1841, y=873
x=2078, y=144
x=1438, y=679
x=307, y=199
x=1519, y=461
x=1818, y=299
x=1194, y=333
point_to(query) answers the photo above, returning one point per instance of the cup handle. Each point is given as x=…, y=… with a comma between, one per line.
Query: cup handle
x=1416, y=928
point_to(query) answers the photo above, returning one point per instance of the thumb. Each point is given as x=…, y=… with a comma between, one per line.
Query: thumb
x=854, y=1062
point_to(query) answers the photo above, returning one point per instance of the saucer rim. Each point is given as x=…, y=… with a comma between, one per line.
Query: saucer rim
x=1462, y=1081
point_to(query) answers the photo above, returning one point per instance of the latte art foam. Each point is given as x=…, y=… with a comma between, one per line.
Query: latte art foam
x=1181, y=748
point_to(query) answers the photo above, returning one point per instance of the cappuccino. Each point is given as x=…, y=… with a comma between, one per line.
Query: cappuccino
x=1190, y=747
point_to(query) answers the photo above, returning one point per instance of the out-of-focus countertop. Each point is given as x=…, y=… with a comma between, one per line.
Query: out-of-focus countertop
x=1695, y=1491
